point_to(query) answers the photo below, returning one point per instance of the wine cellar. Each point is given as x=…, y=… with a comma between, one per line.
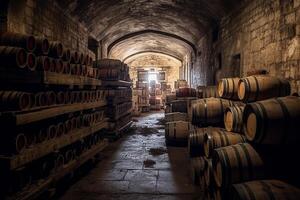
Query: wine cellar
x=150, y=99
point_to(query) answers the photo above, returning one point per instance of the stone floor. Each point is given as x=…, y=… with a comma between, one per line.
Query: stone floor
x=139, y=166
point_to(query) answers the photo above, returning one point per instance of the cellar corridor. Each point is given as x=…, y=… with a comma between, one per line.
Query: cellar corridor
x=139, y=166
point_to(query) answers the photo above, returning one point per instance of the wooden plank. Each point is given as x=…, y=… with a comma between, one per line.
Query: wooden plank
x=20, y=76
x=52, y=78
x=25, y=118
x=40, y=150
x=36, y=190
x=116, y=83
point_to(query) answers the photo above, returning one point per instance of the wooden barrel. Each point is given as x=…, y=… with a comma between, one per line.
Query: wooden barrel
x=14, y=100
x=264, y=189
x=207, y=91
x=69, y=156
x=59, y=67
x=13, y=144
x=42, y=135
x=27, y=42
x=52, y=64
x=197, y=169
x=109, y=63
x=196, y=141
x=42, y=46
x=13, y=57
x=68, y=126
x=233, y=118
x=59, y=162
x=176, y=116
x=60, y=97
x=31, y=62
x=228, y=88
x=61, y=129
x=220, y=138
x=236, y=163
x=209, y=111
x=66, y=55
x=208, y=174
x=109, y=74
x=40, y=99
x=180, y=84
x=179, y=106
x=43, y=63
x=74, y=57
x=273, y=121
x=31, y=139
x=186, y=92
x=67, y=68
x=256, y=88
x=56, y=50
x=190, y=103
x=168, y=109
x=51, y=98
x=176, y=133
x=52, y=131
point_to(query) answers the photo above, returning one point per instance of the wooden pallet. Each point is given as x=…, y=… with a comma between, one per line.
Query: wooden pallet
x=42, y=149
x=34, y=191
x=21, y=118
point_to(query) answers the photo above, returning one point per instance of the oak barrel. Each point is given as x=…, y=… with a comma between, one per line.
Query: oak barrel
x=236, y=163
x=15, y=100
x=196, y=141
x=220, y=138
x=197, y=169
x=233, y=118
x=13, y=57
x=264, y=190
x=42, y=46
x=175, y=116
x=31, y=61
x=185, y=92
x=228, y=88
x=27, y=42
x=207, y=91
x=43, y=63
x=273, y=121
x=256, y=88
x=209, y=111
x=176, y=133
x=56, y=50
x=179, y=106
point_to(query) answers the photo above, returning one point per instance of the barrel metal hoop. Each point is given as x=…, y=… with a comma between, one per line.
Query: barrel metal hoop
x=241, y=174
x=225, y=137
x=249, y=191
x=257, y=88
x=268, y=190
x=262, y=122
x=247, y=89
x=227, y=168
x=234, y=121
x=233, y=87
x=287, y=120
x=221, y=138
x=222, y=109
x=249, y=161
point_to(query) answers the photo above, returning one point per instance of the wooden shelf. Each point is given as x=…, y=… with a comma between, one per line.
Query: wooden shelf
x=36, y=190
x=45, y=148
x=116, y=83
x=45, y=78
x=21, y=118
x=52, y=78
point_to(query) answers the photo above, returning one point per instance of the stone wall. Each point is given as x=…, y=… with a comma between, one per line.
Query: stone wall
x=266, y=35
x=46, y=18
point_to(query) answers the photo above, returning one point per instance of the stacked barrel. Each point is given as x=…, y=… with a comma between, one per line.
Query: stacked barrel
x=178, y=125
x=46, y=126
x=243, y=140
x=141, y=93
x=114, y=75
x=155, y=95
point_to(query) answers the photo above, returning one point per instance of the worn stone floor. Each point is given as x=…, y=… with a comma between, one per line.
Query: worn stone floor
x=139, y=166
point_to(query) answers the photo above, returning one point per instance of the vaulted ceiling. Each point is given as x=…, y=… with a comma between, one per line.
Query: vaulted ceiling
x=127, y=27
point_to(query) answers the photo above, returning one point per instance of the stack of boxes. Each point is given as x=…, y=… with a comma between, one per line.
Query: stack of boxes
x=155, y=95
x=141, y=94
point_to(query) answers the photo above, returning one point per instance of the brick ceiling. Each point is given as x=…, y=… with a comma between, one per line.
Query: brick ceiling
x=127, y=27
